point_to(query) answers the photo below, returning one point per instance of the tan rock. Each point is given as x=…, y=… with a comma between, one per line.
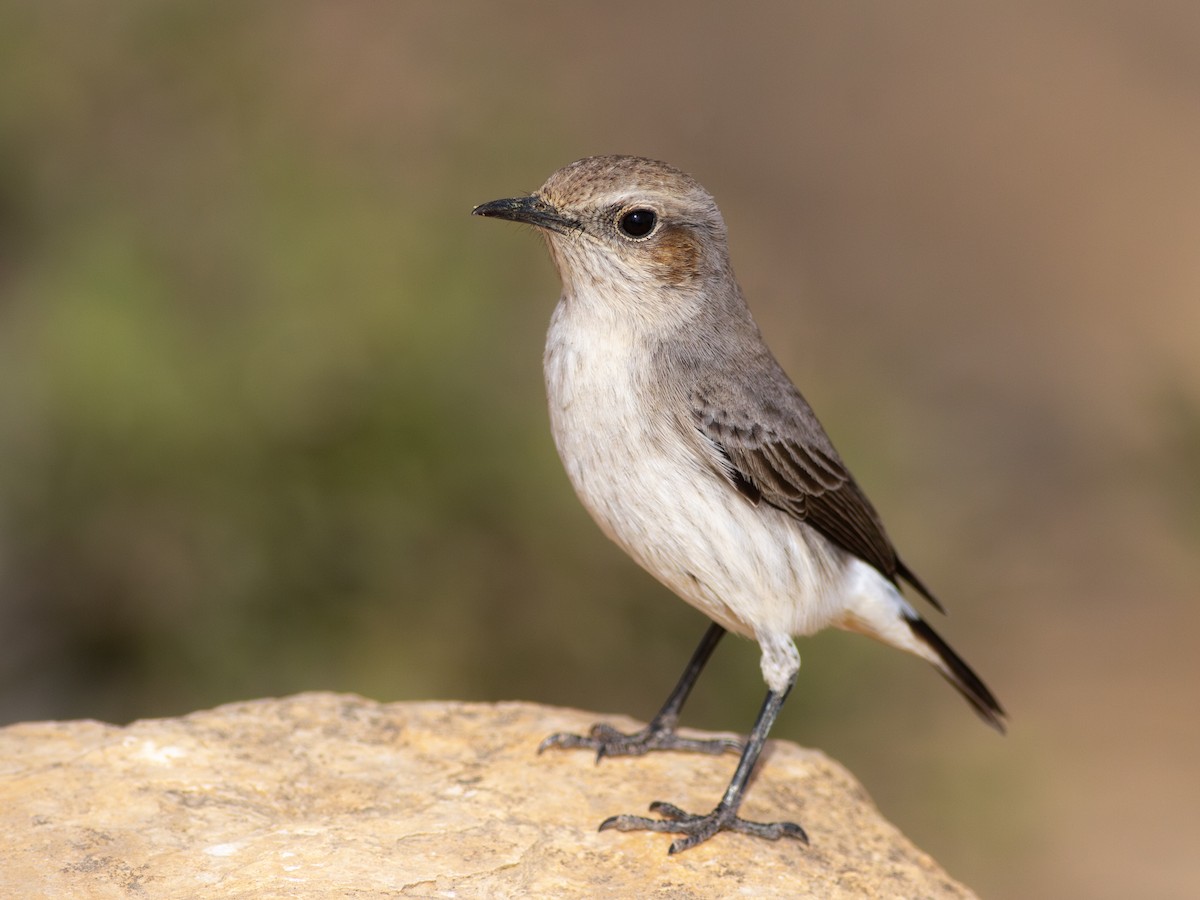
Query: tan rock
x=324, y=795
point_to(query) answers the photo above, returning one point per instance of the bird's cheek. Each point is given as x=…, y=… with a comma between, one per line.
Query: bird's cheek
x=676, y=257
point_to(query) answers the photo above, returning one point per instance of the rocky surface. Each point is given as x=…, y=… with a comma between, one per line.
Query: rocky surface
x=323, y=795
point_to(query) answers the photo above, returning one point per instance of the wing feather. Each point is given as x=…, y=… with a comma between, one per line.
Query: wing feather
x=792, y=465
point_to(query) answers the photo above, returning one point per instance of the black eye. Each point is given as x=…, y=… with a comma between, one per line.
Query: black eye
x=637, y=223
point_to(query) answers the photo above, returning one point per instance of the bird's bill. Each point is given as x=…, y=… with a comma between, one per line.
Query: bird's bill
x=532, y=210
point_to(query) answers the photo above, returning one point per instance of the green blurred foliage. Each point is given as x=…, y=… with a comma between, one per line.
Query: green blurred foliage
x=243, y=416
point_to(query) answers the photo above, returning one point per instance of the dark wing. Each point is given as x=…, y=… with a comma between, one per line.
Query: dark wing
x=782, y=457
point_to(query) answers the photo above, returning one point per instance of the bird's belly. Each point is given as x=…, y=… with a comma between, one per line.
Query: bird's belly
x=648, y=485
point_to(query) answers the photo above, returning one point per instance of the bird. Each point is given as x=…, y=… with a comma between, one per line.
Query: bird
x=694, y=452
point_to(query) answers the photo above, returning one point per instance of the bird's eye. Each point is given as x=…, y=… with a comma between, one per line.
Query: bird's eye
x=637, y=223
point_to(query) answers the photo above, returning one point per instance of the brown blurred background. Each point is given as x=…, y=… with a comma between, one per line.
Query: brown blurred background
x=271, y=413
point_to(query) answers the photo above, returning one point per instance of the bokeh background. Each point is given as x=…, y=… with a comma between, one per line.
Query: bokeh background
x=272, y=419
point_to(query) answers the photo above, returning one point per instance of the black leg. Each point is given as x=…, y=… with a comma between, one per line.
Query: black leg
x=660, y=733
x=697, y=829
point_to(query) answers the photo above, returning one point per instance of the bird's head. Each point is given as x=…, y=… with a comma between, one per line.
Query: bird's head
x=630, y=232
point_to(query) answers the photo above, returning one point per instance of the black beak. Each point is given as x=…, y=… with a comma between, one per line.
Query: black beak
x=531, y=210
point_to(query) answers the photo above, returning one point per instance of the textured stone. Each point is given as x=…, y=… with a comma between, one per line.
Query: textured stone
x=323, y=795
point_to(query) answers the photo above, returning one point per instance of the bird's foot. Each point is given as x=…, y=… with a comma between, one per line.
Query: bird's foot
x=698, y=829
x=607, y=741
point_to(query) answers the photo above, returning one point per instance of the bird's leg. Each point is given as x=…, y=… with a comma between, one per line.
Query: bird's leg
x=660, y=733
x=697, y=829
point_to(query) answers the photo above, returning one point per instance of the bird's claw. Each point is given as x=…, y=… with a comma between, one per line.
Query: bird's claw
x=607, y=741
x=698, y=829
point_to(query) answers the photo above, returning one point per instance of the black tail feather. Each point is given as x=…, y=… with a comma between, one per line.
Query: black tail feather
x=903, y=571
x=959, y=674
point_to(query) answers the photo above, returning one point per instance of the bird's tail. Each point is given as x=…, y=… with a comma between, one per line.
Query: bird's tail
x=958, y=673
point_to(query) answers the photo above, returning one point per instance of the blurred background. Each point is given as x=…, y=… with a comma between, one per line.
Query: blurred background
x=272, y=416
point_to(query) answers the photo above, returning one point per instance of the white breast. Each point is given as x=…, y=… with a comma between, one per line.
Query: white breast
x=652, y=490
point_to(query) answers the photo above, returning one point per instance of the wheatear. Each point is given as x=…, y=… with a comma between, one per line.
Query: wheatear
x=694, y=452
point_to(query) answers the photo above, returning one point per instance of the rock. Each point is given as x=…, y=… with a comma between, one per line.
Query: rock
x=323, y=795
